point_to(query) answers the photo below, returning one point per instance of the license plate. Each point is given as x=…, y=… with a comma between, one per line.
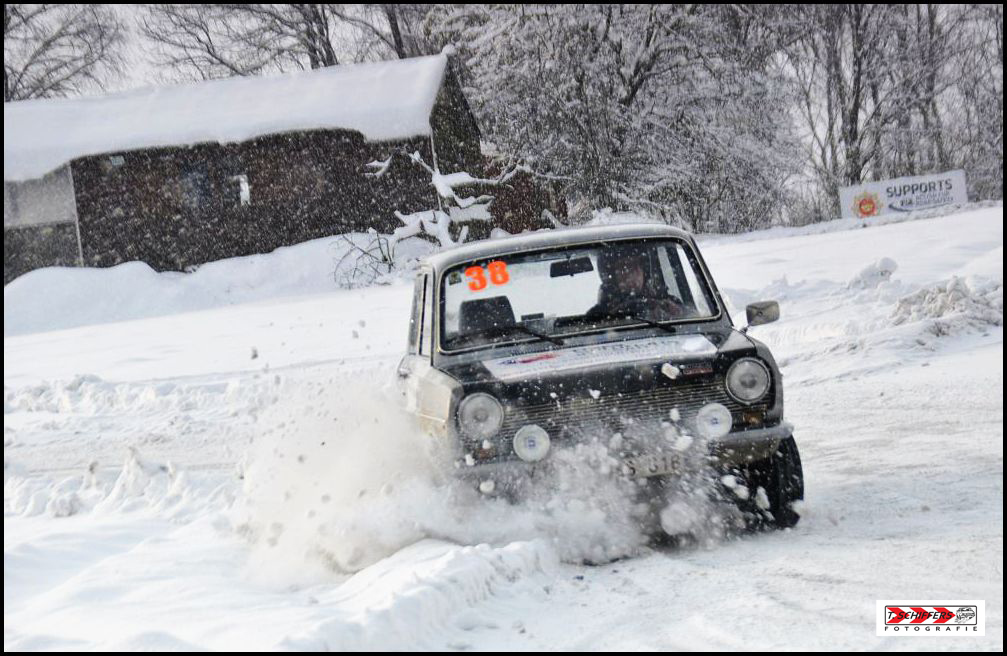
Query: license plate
x=657, y=464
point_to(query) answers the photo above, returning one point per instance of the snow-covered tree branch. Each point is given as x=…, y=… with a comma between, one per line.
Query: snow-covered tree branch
x=453, y=209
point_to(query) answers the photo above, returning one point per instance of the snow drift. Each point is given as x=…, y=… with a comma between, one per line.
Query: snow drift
x=58, y=297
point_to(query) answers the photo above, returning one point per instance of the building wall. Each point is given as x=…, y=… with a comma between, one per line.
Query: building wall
x=456, y=133
x=48, y=199
x=30, y=247
x=40, y=224
x=179, y=207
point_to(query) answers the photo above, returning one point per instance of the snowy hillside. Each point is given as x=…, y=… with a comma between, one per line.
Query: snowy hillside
x=238, y=476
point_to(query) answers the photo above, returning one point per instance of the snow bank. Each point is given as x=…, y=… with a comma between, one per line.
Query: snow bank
x=89, y=395
x=605, y=217
x=139, y=485
x=842, y=225
x=873, y=275
x=58, y=297
x=382, y=100
x=442, y=592
x=954, y=305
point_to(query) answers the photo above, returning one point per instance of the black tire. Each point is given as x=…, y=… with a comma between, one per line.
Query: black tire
x=782, y=478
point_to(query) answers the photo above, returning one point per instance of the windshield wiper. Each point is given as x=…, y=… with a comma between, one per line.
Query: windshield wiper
x=496, y=331
x=634, y=317
x=657, y=324
x=523, y=328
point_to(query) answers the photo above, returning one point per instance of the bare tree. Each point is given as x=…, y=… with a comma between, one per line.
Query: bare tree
x=392, y=28
x=59, y=50
x=220, y=40
x=974, y=103
x=906, y=89
x=215, y=40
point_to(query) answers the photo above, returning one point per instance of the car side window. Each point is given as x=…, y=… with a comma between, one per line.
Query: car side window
x=679, y=271
x=685, y=265
x=426, y=315
x=415, y=316
x=670, y=279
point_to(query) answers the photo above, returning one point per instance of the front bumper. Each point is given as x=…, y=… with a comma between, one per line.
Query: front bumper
x=734, y=449
x=741, y=447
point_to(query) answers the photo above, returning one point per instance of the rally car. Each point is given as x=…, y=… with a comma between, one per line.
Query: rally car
x=524, y=345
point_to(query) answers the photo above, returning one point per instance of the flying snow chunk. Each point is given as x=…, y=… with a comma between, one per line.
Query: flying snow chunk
x=670, y=370
x=735, y=486
x=682, y=443
x=595, y=394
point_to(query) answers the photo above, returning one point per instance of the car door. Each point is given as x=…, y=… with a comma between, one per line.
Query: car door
x=417, y=359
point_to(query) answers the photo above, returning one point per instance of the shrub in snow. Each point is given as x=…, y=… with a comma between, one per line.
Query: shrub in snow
x=445, y=226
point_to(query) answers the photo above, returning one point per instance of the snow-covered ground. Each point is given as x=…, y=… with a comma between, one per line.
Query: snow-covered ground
x=238, y=477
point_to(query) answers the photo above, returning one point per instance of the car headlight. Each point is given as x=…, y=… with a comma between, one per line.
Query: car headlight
x=480, y=416
x=748, y=380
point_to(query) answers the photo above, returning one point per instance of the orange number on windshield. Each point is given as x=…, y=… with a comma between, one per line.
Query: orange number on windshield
x=498, y=275
x=498, y=272
x=478, y=281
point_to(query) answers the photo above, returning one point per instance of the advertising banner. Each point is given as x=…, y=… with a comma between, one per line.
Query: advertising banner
x=909, y=194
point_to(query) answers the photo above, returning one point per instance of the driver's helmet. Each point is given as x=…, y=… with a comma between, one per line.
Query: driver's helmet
x=616, y=261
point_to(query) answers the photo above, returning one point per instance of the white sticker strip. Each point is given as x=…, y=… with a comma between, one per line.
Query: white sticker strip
x=580, y=357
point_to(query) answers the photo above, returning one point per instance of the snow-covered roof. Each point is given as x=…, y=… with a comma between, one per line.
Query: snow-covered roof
x=384, y=101
x=545, y=239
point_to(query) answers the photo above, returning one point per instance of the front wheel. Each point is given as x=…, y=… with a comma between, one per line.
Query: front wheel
x=781, y=479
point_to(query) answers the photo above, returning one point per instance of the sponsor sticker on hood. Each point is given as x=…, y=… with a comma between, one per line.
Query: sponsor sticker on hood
x=580, y=357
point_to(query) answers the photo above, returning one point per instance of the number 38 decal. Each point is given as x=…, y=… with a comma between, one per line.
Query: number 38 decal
x=497, y=271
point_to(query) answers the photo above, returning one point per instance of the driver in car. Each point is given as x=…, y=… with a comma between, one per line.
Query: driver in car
x=630, y=289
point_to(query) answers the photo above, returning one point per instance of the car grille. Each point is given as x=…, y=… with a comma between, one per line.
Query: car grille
x=617, y=410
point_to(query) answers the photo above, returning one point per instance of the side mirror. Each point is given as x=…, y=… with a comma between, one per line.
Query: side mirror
x=762, y=312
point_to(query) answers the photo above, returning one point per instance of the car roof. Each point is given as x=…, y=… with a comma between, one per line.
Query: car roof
x=546, y=239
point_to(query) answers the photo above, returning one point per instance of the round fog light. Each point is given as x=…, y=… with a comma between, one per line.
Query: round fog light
x=713, y=421
x=531, y=443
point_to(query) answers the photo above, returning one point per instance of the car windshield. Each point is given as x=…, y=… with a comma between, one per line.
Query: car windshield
x=546, y=295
